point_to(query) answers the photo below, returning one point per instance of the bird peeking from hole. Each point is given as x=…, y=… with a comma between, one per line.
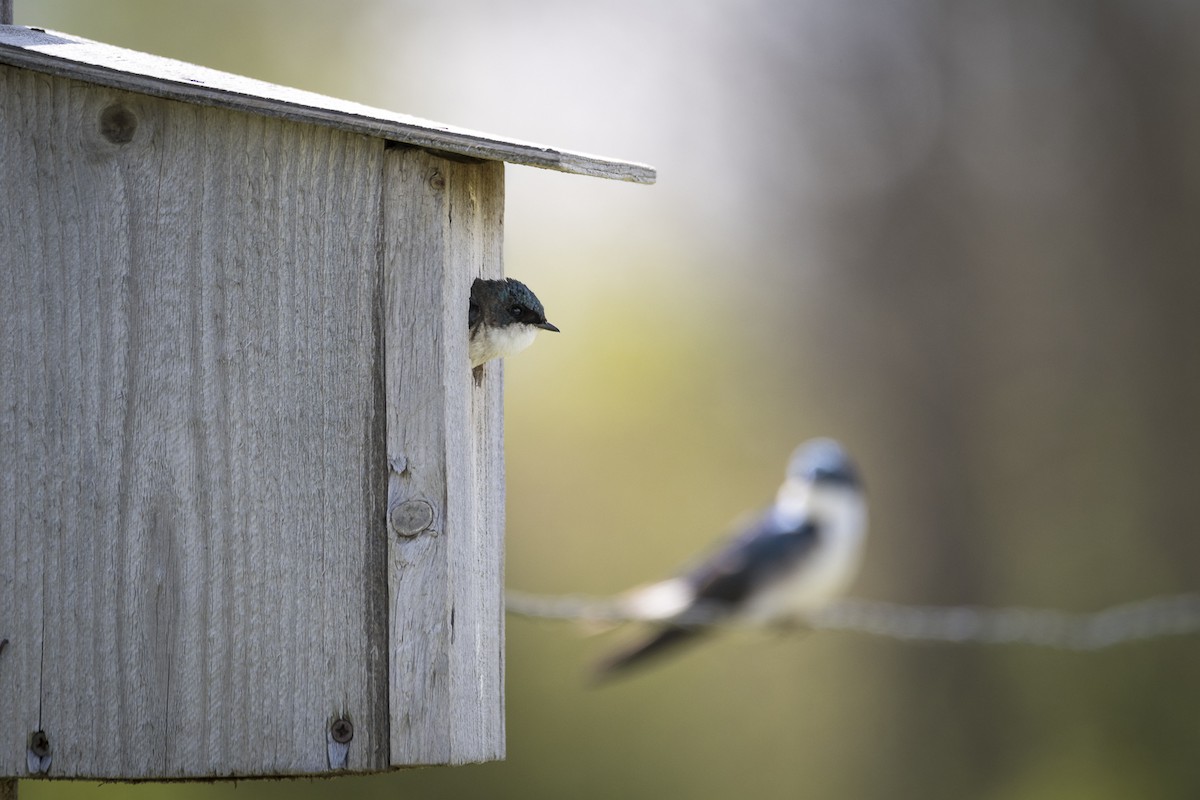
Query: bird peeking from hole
x=792, y=558
x=503, y=320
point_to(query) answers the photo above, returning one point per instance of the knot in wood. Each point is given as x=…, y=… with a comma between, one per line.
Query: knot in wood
x=118, y=124
x=342, y=731
x=411, y=517
x=437, y=181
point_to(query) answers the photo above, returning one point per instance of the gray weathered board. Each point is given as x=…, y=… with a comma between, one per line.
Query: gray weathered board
x=230, y=345
x=70, y=56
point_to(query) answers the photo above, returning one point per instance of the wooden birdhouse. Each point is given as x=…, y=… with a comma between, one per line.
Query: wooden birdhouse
x=251, y=497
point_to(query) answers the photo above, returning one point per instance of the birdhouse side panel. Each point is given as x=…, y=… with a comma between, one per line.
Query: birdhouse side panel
x=443, y=229
x=477, y=208
x=192, y=566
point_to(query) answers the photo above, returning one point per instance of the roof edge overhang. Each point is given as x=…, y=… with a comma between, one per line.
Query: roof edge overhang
x=70, y=56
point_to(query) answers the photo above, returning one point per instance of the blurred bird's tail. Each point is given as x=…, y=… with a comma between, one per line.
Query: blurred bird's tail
x=662, y=641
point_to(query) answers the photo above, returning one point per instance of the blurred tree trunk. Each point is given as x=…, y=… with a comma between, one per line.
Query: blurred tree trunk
x=1006, y=217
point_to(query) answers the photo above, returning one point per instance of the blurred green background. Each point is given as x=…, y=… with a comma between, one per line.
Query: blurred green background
x=962, y=237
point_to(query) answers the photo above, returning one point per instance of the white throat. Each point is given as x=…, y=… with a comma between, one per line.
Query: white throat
x=488, y=342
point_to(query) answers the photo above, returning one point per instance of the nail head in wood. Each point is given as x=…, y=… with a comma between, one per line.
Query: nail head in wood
x=412, y=517
x=342, y=731
x=37, y=756
x=39, y=744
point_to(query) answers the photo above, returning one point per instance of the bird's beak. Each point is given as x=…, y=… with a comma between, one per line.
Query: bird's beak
x=546, y=326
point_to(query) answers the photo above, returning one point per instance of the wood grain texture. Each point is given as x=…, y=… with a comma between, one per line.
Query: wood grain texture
x=70, y=56
x=477, y=656
x=446, y=689
x=191, y=572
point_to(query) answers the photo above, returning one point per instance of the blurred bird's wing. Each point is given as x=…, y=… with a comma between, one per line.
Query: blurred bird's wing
x=761, y=552
x=753, y=558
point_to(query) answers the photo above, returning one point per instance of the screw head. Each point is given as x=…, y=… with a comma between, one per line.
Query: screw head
x=39, y=744
x=342, y=730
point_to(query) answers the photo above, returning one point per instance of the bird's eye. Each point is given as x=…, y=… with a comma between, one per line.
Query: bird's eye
x=517, y=311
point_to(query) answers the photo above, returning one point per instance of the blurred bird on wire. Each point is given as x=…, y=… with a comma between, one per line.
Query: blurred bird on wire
x=790, y=560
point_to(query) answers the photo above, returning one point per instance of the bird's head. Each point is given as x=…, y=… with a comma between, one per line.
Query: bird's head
x=513, y=303
x=823, y=463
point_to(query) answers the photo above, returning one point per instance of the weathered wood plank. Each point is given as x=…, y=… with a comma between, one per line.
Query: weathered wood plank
x=73, y=57
x=415, y=326
x=191, y=447
x=445, y=582
x=477, y=223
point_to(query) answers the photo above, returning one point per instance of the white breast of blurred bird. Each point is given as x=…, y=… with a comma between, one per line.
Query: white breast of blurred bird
x=828, y=569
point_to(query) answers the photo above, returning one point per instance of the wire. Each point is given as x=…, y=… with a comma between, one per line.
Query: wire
x=1167, y=615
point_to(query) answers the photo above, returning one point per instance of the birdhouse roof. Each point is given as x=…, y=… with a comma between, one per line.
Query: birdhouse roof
x=72, y=57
